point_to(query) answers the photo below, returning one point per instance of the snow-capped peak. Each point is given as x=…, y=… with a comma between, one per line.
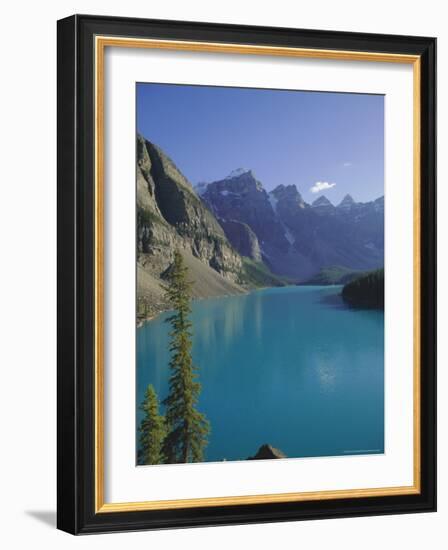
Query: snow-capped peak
x=321, y=201
x=236, y=173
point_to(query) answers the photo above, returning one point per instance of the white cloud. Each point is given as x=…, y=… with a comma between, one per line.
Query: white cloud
x=346, y=164
x=321, y=186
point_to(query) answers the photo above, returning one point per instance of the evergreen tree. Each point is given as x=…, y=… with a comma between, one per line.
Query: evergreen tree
x=366, y=291
x=187, y=427
x=152, y=430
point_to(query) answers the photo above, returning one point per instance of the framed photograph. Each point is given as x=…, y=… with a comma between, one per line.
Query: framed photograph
x=246, y=274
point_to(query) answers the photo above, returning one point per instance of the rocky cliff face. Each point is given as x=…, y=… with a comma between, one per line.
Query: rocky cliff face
x=242, y=239
x=171, y=216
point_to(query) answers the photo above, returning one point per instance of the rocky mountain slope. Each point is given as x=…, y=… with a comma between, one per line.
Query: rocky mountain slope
x=294, y=238
x=171, y=216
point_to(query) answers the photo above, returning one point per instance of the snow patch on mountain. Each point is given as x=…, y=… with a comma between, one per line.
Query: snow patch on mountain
x=226, y=193
x=273, y=201
x=289, y=236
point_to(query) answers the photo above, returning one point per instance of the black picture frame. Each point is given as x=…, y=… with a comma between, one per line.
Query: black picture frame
x=76, y=255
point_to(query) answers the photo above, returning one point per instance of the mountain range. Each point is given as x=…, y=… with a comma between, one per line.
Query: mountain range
x=294, y=238
x=235, y=235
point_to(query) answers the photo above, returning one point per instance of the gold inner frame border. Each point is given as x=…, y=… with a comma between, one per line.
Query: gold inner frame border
x=100, y=44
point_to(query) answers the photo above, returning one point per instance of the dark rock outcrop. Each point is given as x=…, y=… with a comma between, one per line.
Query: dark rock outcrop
x=267, y=452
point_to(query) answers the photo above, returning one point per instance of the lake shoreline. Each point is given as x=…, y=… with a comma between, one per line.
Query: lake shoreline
x=142, y=320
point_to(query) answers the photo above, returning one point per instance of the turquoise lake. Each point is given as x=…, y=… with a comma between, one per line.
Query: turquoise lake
x=292, y=367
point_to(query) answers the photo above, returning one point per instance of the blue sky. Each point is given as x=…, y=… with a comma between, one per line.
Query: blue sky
x=323, y=142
